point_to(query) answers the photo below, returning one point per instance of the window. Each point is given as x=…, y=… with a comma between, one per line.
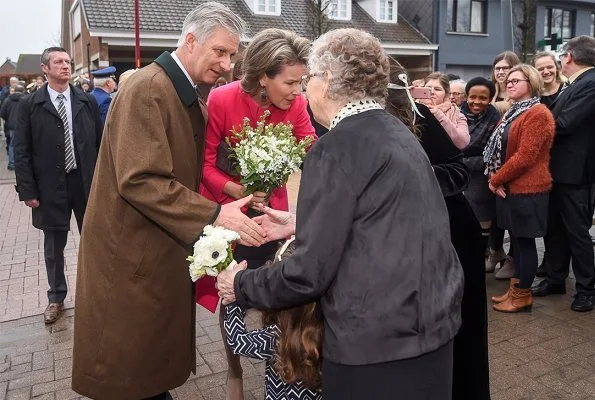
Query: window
x=268, y=7
x=76, y=21
x=593, y=24
x=466, y=16
x=339, y=9
x=386, y=10
x=560, y=22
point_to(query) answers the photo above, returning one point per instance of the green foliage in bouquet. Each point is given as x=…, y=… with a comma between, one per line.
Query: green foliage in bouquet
x=266, y=155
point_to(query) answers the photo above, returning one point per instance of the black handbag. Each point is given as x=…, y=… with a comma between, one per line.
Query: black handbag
x=224, y=162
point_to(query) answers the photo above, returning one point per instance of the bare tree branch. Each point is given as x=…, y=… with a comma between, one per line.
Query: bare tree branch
x=524, y=12
x=318, y=19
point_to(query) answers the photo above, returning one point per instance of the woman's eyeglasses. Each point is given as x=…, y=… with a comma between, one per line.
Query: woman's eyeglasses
x=306, y=79
x=514, y=82
x=504, y=69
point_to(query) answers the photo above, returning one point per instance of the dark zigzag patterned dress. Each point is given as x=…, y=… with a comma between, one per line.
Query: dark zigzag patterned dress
x=261, y=344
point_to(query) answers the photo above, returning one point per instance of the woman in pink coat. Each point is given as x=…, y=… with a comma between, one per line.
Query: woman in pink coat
x=274, y=66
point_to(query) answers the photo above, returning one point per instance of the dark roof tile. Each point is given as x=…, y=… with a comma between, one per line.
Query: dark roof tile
x=168, y=16
x=28, y=64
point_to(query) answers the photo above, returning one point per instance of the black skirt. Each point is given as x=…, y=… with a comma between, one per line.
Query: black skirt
x=524, y=215
x=426, y=377
x=480, y=197
x=256, y=257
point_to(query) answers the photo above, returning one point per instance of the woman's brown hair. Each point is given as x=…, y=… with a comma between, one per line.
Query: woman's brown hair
x=299, y=345
x=397, y=101
x=268, y=53
x=442, y=78
x=559, y=77
x=510, y=57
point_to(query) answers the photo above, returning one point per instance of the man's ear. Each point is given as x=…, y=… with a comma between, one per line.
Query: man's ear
x=189, y=41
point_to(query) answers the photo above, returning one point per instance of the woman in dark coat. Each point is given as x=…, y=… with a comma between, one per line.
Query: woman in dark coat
x=373, y=242
x=471, y=369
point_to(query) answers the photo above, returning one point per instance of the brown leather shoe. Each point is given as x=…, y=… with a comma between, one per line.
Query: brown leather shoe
x=518, y=300
x=52, y=312
x=500, y=299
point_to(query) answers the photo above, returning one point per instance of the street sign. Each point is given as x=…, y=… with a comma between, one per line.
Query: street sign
x=553, y=41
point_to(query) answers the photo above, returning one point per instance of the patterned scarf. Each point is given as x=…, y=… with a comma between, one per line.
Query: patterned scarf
x=355, y=107
x=492, y=154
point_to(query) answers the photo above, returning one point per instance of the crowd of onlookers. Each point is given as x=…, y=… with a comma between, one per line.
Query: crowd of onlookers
x=524, y=136
x=401, y=204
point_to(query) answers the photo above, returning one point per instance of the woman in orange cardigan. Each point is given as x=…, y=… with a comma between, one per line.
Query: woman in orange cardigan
x=517, y=158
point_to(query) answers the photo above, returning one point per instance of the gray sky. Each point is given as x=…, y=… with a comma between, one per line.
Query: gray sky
x=36, y=26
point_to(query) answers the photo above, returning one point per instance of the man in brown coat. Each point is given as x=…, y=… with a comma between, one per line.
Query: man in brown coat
x=135, y=313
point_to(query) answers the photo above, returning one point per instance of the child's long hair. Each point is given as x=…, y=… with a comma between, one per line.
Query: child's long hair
x=299, y=347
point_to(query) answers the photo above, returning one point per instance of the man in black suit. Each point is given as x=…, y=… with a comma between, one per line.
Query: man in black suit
x=56, y=142
x=573, y=171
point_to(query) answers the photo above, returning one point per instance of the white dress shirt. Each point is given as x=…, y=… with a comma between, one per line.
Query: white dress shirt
x=68, y=106
x=177, y=60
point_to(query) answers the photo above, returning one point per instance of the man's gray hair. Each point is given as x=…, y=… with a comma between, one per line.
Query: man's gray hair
x=14, y=79
x=582, y=49
x=45, y=56
x=459, y=81
x=207, y=17
x=100, y=82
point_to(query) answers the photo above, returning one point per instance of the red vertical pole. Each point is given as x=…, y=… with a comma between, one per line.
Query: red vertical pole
x=136, y=35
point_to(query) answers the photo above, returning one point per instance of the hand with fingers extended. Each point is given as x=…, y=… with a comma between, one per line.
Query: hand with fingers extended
x=225, y=281
x=277, y=224
x=231, y=217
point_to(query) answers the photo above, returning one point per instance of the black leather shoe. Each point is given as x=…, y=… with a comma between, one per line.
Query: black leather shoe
x=541, y=273
x=545, y=289
x=582, y=303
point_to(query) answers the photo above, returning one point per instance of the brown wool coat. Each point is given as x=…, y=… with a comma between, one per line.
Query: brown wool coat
x=526, y=169
x=134, y=333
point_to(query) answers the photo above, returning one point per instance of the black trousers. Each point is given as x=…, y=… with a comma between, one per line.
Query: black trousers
x=427, y=377
x=569, y=220
x=55, y=241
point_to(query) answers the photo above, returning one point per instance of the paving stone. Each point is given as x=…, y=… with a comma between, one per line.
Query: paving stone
x=67, y=394
x=63, y=368
x=3, y=390
x=19, y=394
x=22, y=359
x=28, y=380
x=47, y=396
x=189, y=391
x=216, y=393
x=50, y=387
x=217, y=361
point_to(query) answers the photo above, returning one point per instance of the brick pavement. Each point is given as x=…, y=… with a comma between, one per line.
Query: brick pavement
x=548, y=353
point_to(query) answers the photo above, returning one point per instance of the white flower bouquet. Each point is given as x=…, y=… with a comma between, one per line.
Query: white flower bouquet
x=212, y=252
x=266, y=155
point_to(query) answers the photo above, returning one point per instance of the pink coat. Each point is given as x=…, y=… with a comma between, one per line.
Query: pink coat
x=227, y=106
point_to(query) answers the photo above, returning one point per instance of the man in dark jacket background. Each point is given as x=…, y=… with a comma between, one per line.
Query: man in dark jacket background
x=9, y=114
x=55, y=147
x=573, y=171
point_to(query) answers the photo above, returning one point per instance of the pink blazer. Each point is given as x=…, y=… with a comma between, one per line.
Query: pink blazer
x=227, y=106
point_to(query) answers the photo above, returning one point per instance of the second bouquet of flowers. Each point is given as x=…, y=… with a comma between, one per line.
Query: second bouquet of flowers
x=212, y=254
x=266, y=155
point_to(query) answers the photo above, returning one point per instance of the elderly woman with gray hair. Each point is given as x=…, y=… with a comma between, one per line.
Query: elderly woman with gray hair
x=372, y=239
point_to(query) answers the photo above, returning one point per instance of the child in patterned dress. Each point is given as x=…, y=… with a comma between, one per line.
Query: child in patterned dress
x=290, y=343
